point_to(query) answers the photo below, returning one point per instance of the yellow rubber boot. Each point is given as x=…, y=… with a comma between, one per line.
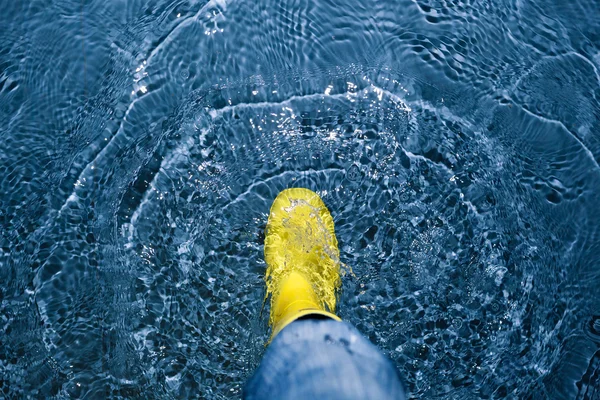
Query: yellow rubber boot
x=303, y=269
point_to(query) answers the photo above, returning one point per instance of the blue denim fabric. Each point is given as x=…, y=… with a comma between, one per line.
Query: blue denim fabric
x=323, y=359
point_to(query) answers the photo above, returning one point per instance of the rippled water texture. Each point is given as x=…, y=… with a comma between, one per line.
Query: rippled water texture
x=455, y=143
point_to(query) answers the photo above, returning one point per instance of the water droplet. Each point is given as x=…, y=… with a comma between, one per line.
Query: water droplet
x=495, y=306
x=119, y=112
x=353, y=174
x=592, y=328
x=456, y=323
x=185, y=73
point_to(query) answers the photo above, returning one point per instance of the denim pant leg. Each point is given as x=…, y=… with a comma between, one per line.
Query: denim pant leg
x=323, y=359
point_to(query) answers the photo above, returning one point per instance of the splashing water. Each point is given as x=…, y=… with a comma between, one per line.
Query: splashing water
x=455, y=145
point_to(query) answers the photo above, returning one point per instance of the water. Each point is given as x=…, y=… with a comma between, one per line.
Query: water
x=455, y=143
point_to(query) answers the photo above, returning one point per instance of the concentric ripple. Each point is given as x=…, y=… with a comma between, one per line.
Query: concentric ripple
x=455, y=143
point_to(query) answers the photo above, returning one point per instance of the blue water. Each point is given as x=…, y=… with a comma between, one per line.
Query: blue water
x=456, y=143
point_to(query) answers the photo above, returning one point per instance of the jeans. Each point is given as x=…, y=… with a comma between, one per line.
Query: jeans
x=323, y=359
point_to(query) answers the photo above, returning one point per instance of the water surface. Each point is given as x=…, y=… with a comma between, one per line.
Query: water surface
x=456, y=144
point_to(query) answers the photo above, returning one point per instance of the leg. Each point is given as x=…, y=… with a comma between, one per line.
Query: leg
x=312, y=354
x=323, y=359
